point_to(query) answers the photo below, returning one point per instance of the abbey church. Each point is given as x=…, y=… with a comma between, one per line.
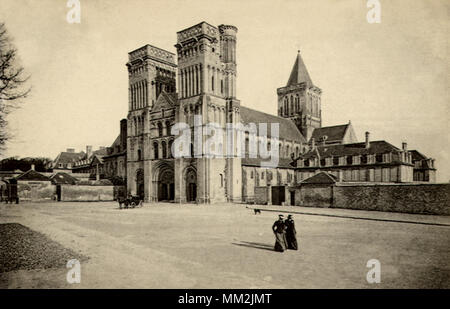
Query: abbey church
x=200, y=80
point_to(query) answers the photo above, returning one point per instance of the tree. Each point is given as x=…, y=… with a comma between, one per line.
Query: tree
x=24, y=164
x=13, y=86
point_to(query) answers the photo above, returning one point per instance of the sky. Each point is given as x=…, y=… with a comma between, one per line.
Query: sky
x=389, y=78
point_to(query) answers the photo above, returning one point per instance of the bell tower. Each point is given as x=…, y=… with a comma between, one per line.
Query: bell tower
x=300, y=100
x=151, y=70
x=207, y=91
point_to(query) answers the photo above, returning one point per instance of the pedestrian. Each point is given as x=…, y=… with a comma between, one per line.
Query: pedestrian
x=291, y=233
x=279, y=229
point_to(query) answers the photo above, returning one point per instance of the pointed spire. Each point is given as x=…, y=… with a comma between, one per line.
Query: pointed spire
x=299, y=73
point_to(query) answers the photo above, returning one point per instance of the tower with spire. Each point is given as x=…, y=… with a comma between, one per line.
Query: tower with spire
x=300, y=100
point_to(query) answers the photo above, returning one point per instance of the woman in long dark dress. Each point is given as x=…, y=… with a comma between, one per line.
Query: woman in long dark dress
x=291, y=233
x=279, y=229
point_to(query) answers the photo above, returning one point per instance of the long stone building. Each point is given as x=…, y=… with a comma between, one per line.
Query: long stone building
x=197, y=86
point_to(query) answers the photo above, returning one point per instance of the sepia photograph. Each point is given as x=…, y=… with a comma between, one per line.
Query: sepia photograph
x=224, y=146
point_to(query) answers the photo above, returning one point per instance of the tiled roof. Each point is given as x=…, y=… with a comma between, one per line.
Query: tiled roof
x=32, y=175
x=333, y=133
x=63, y=178
x=69, y=157
x=425, y=161
x=288, y=130
x=417, y=156
x=375, y=147
x=299, y=73
x=320, y=178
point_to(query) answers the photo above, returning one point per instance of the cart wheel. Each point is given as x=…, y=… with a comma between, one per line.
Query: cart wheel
x=133, y=204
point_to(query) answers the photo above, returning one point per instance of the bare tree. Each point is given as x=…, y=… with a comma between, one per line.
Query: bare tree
x=13, y=86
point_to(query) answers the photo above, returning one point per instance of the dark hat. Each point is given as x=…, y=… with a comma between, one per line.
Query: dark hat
x=280, y=216
x=289, y=216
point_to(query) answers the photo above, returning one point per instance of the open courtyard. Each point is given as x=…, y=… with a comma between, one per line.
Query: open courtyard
x=227, y=246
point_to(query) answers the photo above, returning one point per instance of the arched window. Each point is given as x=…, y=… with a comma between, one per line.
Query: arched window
x=168, y=127
x=280, y=151
x=286, y=106
x=221, y=180
x=160, y=129
x=139, y=155
x=349, y=160
x=287, y=151
x=292, y=105
x=155, y=150
x=164, y=149
x=170, y=149
x=212, y=82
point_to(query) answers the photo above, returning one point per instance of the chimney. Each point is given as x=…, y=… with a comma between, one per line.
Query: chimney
x=367, y=140
x=32, y=167
x=71, y=150
x=88, y=151
x=405, y=146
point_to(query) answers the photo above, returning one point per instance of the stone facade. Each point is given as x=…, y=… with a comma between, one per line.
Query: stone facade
x=197, y=86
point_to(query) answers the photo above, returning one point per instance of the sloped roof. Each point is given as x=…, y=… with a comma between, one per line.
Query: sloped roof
x=100, y=152
x=165, y=100
x=69, y=157
x=288, y=130
x=97, y=157
x=299, y=73
x=32, y=175
x=417, y=156
x=425, y=162
x=333, y=133
x=320, y=178
x=375, y=147
x=63, y=178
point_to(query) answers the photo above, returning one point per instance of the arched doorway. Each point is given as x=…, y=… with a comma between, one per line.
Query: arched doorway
x=140, y=183
x=191, y=185
x=166, y=185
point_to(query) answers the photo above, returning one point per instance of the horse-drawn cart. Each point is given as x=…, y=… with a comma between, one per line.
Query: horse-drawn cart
x=131, y=201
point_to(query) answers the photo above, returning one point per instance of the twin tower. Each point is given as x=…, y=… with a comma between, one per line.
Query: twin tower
x=200, y=84
x=162, y=93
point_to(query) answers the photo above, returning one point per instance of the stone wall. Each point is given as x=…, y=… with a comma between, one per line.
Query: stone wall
x=315, y=196
x=87, y=193
x=408, y=198
x=35, y=190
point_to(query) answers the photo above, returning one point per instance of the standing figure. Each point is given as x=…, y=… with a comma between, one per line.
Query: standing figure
x=279, y=229
x=291, y=238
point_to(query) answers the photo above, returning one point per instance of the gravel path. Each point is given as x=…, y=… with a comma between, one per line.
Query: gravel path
x=23, y=248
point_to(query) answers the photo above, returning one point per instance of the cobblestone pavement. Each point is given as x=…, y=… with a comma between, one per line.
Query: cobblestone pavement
x=228, y=246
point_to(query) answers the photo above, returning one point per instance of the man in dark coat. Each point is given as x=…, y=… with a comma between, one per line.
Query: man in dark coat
x=291, y=233
x=279, y=229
